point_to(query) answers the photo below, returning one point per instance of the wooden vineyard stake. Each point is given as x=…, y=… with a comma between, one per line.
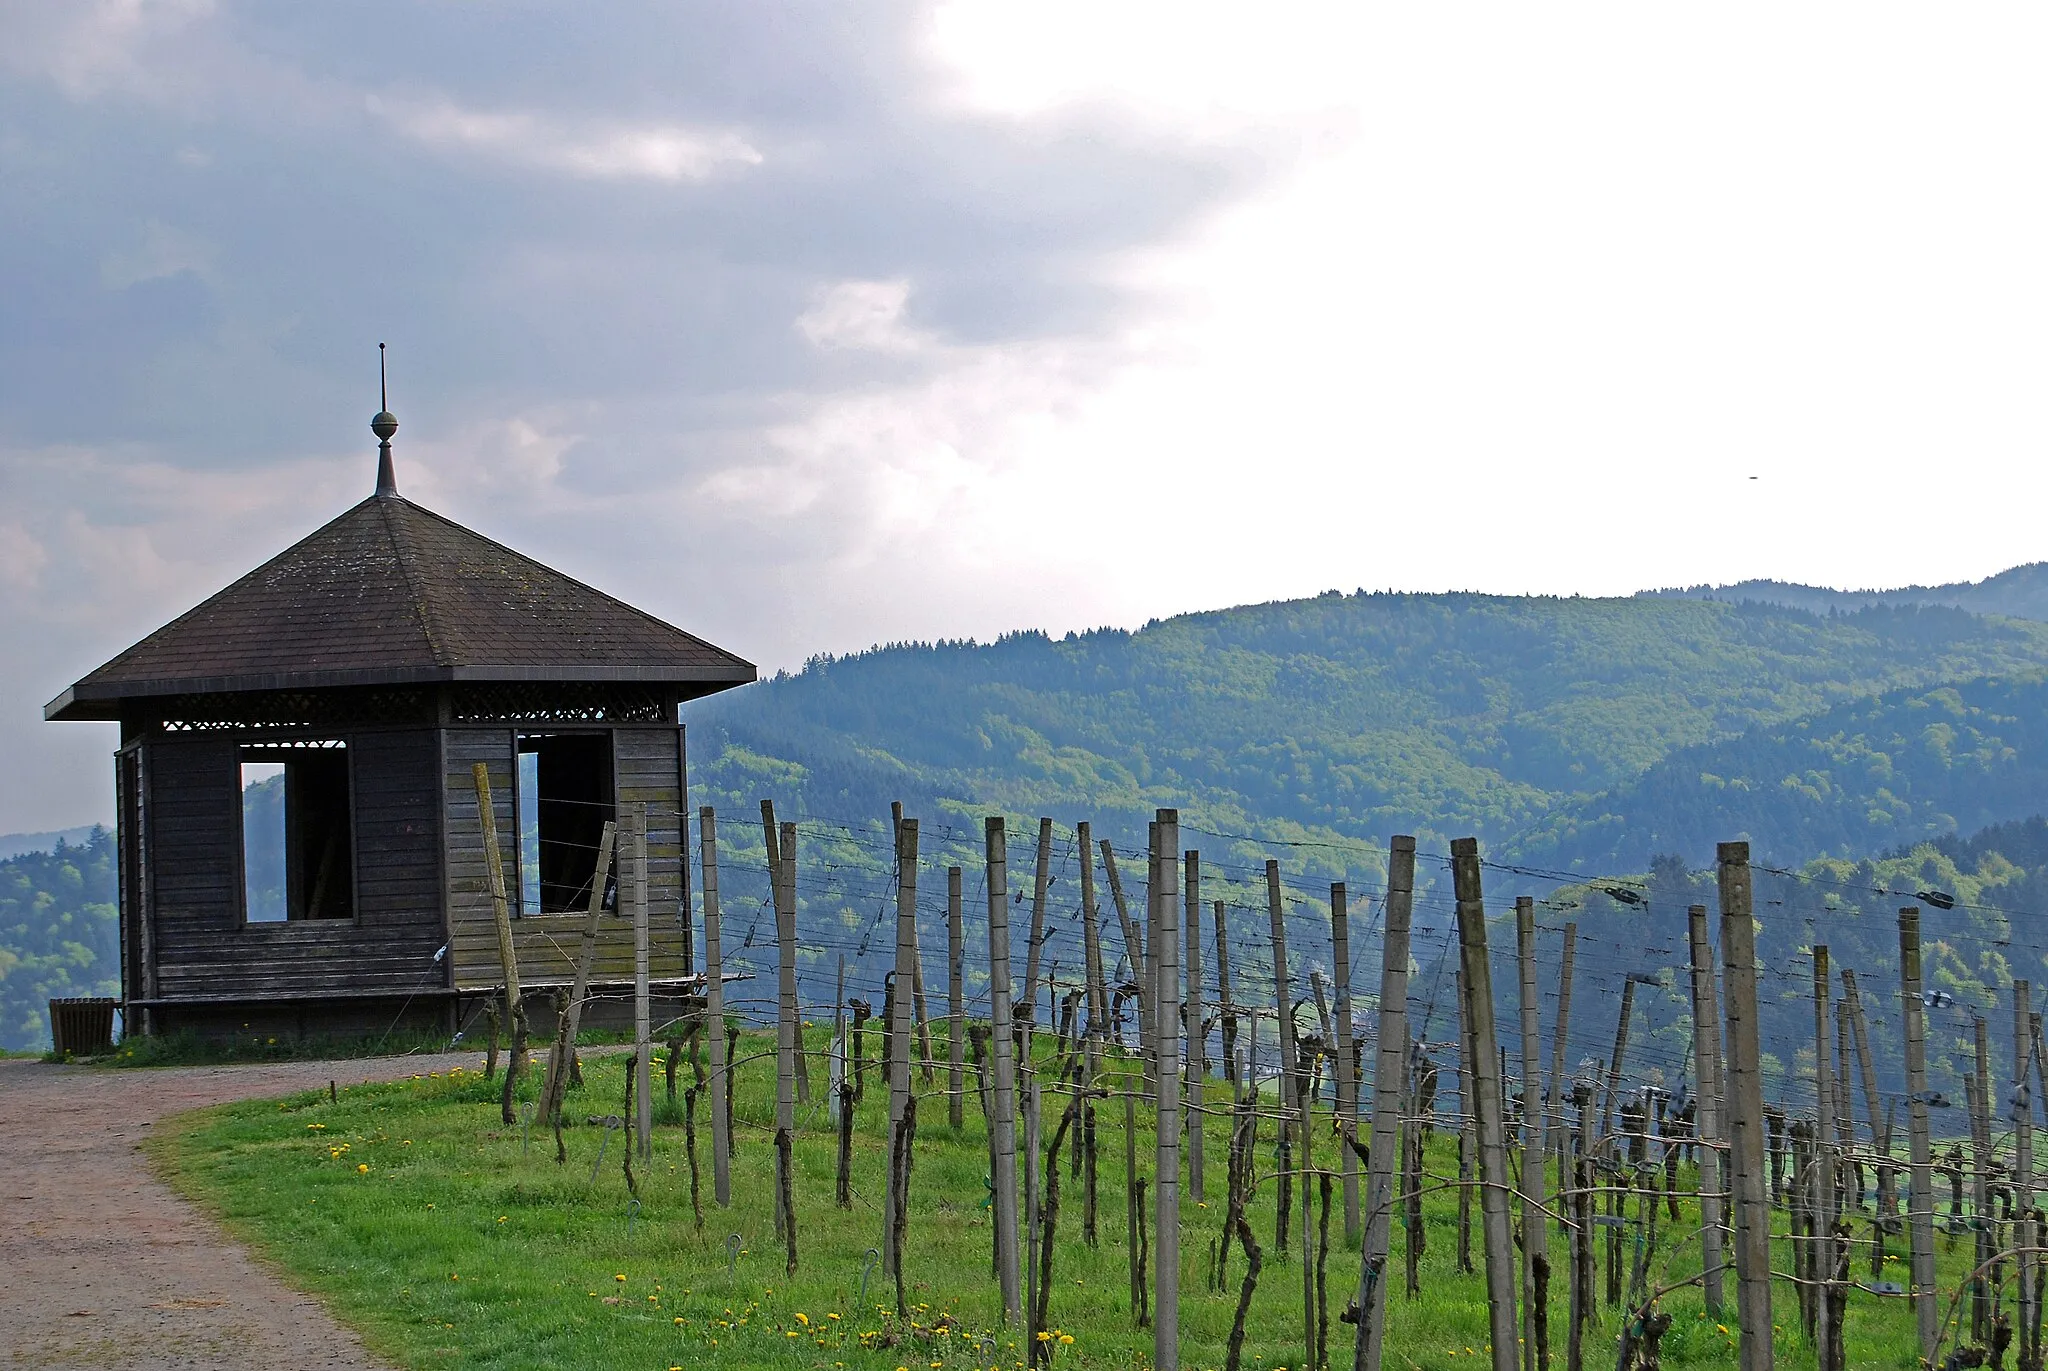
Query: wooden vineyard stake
x=1224, y=1011
x=1707, y=1104
x=508, y=957
x=1098, y=1026
x=1166, y=1176
x=1133, y=1228
x=1283, y=1048
x=1034, y=949
x=1621, y=1027
x=1535, y=1231
x=1389, y=1065
x=1880, y=1134
x=1980, y=1183
x=643, y=1034
x=2022, y=1117
x=714, y=1013
x=1746, y=1111
x=1033, y=1181
x=1003, y=1131
x=787, y=1024
x=900, y=1120
x=1134, y=948
x=921, y=1011
x=1822, y=1260
x=1558, y=1035
x=1483, y=1072
x=1347, y=1079
x=956, y=1005
x=571, y=1024
x=1198, y=1046
x=1920, y=1226
x=842, y=1088
x=1466, y=1151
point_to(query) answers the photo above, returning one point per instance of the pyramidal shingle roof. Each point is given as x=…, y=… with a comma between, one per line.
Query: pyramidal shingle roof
x=390, y=593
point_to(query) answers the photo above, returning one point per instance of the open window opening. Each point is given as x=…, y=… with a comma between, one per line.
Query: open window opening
x=565, y=800
x=298, y=847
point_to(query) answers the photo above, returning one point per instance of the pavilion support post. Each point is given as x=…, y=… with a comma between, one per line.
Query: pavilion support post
x=1746, y=1112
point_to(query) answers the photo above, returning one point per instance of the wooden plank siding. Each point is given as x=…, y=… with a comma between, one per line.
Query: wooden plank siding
x=204, y=950
x=644, y=770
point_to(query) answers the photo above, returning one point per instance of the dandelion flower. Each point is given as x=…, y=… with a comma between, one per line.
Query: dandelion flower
x=362, y=1168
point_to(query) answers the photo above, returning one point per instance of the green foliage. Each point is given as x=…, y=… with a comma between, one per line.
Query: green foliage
x=59, y=934
x=1335, y=718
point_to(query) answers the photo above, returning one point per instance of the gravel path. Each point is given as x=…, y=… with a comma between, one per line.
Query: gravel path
x=101, y=1265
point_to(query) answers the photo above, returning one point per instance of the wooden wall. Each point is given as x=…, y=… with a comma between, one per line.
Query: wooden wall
x=202, y=947
x=646, y=768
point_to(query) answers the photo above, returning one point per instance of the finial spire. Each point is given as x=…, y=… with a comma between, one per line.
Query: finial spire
x=384, y=425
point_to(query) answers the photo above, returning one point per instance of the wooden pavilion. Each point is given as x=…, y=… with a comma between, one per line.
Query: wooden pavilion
x=300, y=840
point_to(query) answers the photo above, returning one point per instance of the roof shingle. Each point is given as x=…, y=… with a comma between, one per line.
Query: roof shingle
x=391, y=593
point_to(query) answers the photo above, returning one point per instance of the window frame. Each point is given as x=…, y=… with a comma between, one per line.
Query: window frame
x=608, y=737
x=325, y=742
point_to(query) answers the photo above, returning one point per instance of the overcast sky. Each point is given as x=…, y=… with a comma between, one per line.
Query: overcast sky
x=811, y=327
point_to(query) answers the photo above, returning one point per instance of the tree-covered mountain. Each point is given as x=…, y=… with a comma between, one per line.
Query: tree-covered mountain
x=1340, y=718
x=59, y=934
x=1872, y=774
x=2018, y=593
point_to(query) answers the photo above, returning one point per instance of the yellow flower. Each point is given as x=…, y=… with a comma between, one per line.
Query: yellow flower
x=362, y=1168
x=619, y=1277
x=1066, y=1339
x=1721, y=1327
x=804, y=1319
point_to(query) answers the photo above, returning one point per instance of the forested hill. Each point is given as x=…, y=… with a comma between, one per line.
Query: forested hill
x=59, y=934
x=2019, y=593
x=1351, y=717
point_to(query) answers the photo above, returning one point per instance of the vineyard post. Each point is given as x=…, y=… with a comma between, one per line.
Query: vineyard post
x=1823, y=1260
x=786, y=1021
x=1388, y=1064
x=1283, y=1005
x=1224, y=1012
x=564, y=1055
x=1921, y=1225
x=1558, y=1035
x=714, y=1011
x=1001, y=1047
x=1033, y=950
x=1347, y=1079
x=1166, y=1180
x=501, y=913
x=1707, y=1104
x=900, y=1012
x=956, y=1005
x=1614, y=1202
x=1134, y=953
x=1033, y=1197
x=1980, y=1185
x=1197, y=1041
x=1880, y=1135
x=1746, y=1131
x=1535, y=1232
x=1483, y=1075
x=2023, y=1172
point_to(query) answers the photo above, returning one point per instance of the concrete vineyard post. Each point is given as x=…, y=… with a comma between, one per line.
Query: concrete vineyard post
x=1746, y=1111
x=1389, y=1063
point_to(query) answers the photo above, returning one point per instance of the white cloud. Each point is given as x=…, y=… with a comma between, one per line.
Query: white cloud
x=861, y=315
x=609, y=151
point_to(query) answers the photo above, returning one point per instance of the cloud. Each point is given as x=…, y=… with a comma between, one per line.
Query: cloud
x=163, y=252
x=865, y=315
x=650, y=152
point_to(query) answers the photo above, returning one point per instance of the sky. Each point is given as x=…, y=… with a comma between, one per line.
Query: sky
x=814, y=326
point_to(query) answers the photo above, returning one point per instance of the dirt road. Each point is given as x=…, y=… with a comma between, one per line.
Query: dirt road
x=101, y=1265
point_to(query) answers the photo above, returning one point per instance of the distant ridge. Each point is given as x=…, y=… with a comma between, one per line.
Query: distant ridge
x=2018, y=593
x=15, y=844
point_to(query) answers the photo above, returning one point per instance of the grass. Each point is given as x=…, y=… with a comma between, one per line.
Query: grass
x=451, y=1240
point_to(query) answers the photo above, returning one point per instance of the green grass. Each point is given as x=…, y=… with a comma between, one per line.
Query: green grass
x=449, y=1240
